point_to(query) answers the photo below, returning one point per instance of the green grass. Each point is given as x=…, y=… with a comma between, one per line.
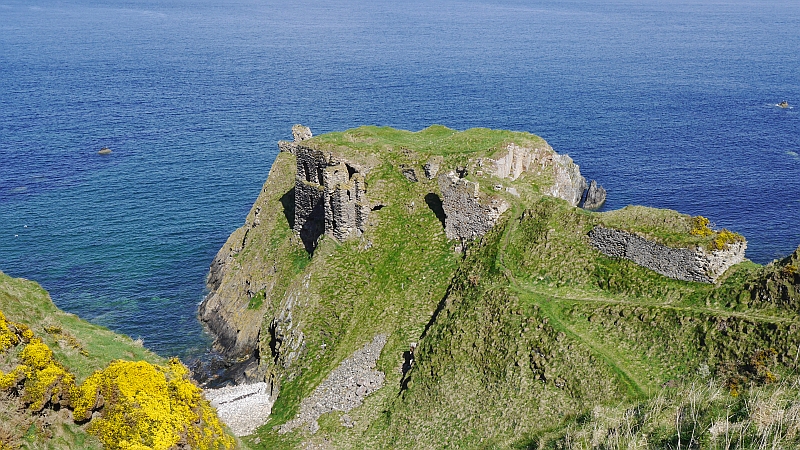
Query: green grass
x=434, y=140
x=664, y=226
x=695, y=413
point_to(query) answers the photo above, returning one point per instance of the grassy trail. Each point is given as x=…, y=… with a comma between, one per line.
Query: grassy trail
x=633, y=382
x=620, y=299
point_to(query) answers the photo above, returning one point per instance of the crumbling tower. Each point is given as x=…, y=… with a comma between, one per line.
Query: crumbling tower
x=329, y=193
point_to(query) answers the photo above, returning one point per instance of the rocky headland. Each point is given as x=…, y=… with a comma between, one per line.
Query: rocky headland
x=482, y=247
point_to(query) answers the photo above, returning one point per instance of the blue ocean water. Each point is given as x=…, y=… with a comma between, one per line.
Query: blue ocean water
x=667, y=103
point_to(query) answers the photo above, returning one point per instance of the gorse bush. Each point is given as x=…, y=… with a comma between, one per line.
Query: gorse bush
x=700, y=226
x=8, y=338
x=141, y=405
x=719, y=240
x=46, y=380
x=725, y=238
x=149, y=406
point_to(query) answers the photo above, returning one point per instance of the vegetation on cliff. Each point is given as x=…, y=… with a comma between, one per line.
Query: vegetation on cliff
x=61, y=385
x=525, y=337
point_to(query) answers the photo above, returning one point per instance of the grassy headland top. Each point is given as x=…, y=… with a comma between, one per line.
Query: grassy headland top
x=434, y=140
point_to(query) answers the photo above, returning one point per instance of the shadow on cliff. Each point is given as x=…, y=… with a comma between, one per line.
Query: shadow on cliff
x=287, y=200
x=313, y=227
x=435, y=204
x=408, y=357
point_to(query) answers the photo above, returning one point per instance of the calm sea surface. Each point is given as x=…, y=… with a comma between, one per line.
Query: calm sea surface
x=667, y=103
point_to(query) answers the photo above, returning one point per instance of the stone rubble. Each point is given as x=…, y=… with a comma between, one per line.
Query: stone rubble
x=243, y=408
x=345, y=388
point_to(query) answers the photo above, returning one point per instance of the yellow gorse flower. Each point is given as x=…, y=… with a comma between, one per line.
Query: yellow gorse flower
x=142, y=406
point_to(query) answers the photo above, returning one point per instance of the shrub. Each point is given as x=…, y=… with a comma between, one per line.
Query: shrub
x=700, y=226
x=46, y=380
x=724, y=238
x=143, y=406
x=8, y=338
x=148, y=406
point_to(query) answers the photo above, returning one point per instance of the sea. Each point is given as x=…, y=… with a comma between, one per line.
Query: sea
x=667, y=103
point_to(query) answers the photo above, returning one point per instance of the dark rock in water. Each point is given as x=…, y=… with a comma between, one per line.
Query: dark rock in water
x=104, y=151
x=595, y=196
x=784, y=104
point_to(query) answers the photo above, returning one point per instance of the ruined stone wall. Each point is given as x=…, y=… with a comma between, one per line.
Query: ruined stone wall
x=299, y=133
x=468, y=213
x=679, y=263
x=309, y=193
x=330, y=195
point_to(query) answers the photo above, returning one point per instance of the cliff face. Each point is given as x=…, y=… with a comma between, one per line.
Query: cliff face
x=521, y=328
x=243, y=275
x=567, y=182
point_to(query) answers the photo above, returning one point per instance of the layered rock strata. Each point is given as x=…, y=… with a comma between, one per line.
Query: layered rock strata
x=685, y=264
x=568, y=183
x=469, y=213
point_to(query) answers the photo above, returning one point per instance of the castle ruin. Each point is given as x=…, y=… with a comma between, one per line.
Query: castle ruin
x=329, y=193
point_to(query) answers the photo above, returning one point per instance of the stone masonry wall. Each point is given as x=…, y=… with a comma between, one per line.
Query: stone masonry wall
x=678, y=263
x=330, y=195
x=468, y=214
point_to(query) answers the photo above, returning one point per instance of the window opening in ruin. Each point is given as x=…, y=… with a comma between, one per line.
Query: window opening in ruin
x=349, y=198
x=307, y=171
x=350, y=171
x=333, y=214
x=319, y=175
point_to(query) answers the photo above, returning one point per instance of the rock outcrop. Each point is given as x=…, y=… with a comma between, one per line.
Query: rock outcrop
x=299, y=133
x=685, y=264
x=568, y=183
x=469, y=213
x=432, y=167
x=595, y=196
